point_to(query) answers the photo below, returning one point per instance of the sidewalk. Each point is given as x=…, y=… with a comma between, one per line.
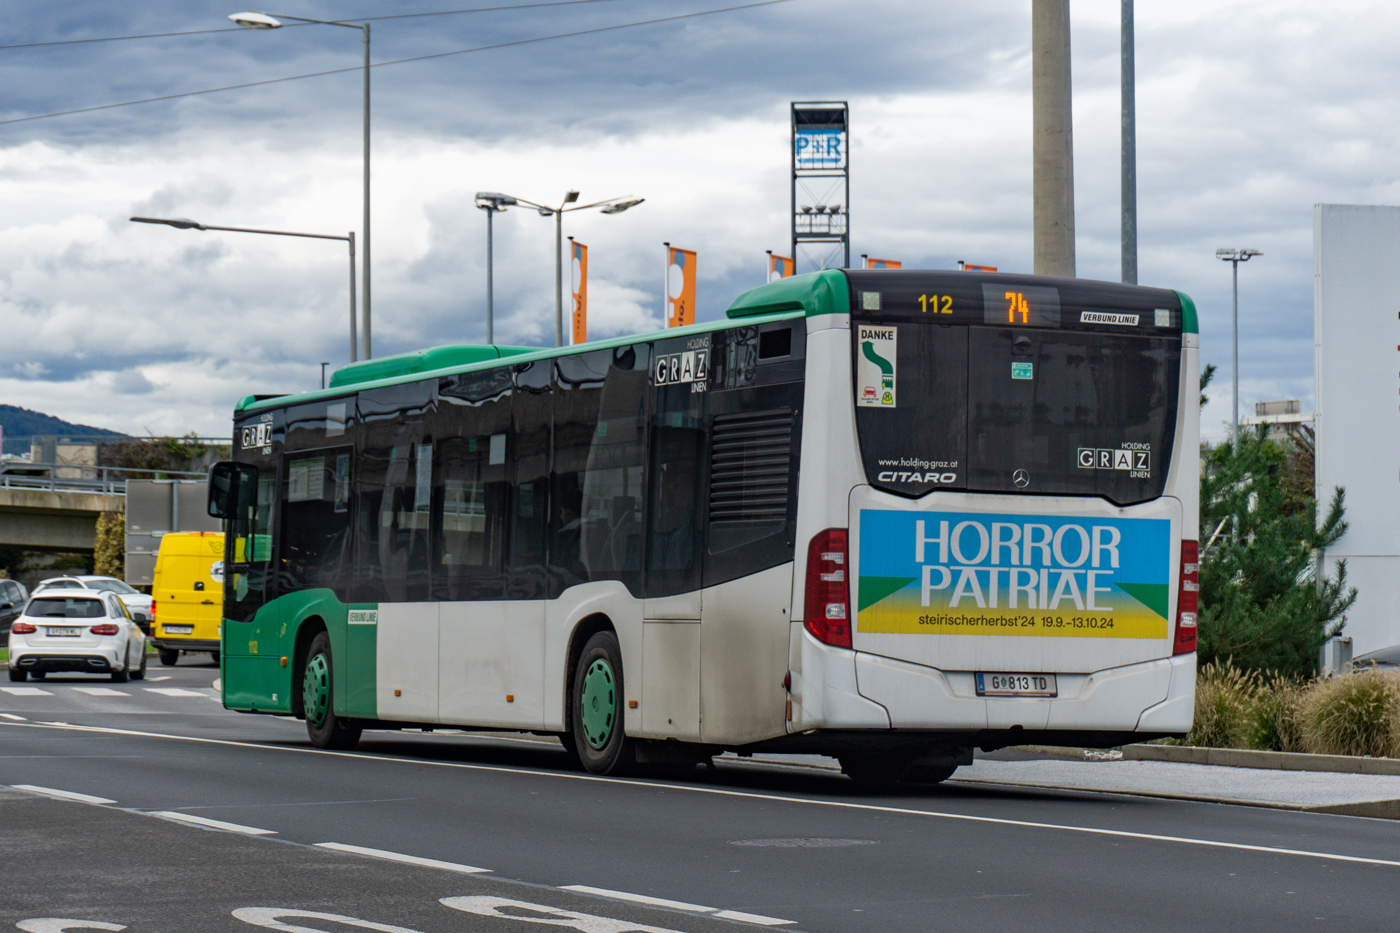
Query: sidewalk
x=1374, y=795
x=1370, y=795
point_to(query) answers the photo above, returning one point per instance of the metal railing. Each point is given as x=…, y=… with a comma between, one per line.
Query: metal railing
x=73, y=477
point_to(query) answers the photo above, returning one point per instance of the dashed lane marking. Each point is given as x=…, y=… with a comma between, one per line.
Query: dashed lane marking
x=100, y=692
x=14, y=717
x=676, y=905
x=726, y=792
x=210, y=824
x=61, y=794
x=400, y=857
x=175, y=692
x=156, y=680
x=26, y=692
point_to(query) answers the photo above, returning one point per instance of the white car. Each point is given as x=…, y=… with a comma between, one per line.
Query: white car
x=139, y=603
x=76, y=630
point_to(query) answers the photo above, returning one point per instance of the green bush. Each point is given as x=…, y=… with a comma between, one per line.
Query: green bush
x=1224, y=695
x=1357, y=714
x=1273, y=717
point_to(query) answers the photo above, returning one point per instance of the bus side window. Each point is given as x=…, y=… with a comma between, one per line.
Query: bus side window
x=471, y=494
x=528, y=451
x=599, y=467
x=676, y=491
x=391, y=528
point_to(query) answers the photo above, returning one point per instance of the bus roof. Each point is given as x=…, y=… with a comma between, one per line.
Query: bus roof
x=447, y=360
x=809, y=294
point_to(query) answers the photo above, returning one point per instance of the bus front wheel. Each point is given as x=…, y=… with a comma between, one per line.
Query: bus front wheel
x=598, y=700
x=326, y=729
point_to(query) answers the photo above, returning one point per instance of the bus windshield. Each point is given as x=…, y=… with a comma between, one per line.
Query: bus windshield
x=1058, y=401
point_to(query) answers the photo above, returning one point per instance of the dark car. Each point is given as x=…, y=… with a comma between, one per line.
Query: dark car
x=13, y=596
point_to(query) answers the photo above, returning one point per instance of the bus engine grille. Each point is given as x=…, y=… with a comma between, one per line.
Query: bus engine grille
x=750, y=467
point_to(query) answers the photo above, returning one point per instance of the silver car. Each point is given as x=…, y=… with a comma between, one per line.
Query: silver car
x=139, y=603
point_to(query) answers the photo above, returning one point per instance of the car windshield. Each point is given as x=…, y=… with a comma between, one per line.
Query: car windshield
x=66, y=607
x=114, y=586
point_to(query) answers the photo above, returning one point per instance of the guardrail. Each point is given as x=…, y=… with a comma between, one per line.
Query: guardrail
x=72, y=477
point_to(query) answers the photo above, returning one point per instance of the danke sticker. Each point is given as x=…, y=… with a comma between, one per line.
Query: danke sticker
x=875, y=370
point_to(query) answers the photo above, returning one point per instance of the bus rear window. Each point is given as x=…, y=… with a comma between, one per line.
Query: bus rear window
x=1017, y=410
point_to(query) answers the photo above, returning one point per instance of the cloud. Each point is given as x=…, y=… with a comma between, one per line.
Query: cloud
x=132, y=382
x=1248, y=114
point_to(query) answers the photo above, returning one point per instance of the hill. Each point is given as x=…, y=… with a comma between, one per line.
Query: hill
x=21, y=422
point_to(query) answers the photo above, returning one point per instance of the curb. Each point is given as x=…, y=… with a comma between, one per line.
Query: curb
x=1371, y=809
x=1273, y=761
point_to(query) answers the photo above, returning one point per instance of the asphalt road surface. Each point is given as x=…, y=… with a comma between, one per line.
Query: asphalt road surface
x=147, y=806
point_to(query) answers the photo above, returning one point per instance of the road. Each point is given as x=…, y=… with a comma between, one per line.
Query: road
x=743, y=843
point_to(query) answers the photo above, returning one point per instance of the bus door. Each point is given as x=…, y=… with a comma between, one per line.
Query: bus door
x=251, y=618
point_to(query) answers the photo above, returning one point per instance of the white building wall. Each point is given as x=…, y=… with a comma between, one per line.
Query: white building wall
x=1356, y=261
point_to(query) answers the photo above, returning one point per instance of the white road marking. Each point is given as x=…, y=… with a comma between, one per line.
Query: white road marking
x=638, y=898
x=753, y=918
x=211, y=824
x=677, y=905
x=400, y=857
x=723, y=792
x=553, y=916
x=59, y=925
x=61, y=794
x=175, y=692
x=14, y=717
x=156, y=680
x=100, y=692
x=26, y=692
x=271, y=917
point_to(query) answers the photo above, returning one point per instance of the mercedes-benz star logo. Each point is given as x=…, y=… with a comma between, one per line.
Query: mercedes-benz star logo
x=1021, y=478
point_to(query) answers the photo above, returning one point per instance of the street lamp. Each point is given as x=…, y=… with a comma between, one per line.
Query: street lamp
x=491, y=202
x=181, y=223
x=1234, y=257
x=609, y=206
x=252, y=20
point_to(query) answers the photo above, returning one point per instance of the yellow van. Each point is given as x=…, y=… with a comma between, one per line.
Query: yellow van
x=188, y=595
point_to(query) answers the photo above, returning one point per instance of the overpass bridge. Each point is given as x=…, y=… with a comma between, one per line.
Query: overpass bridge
x=54, y=506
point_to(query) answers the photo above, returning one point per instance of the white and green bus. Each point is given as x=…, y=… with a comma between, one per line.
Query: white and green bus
x=887, y=516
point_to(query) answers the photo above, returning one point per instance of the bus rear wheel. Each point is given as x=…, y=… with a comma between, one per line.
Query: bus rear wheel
x=597, y=702
x=325, y=728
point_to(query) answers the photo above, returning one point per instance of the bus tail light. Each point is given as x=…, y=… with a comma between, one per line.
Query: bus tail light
x=22, y=628
x=827, y=610
x=106, y=628
x=1187, y=599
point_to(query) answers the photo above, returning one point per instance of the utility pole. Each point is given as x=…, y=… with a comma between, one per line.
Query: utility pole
x=1053, y=143
x=1129, y=147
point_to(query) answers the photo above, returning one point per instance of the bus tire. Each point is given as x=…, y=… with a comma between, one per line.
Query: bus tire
x=876, y=770
x=323, y=726
x=169, y=657
x=596, y=704
x=930, y=774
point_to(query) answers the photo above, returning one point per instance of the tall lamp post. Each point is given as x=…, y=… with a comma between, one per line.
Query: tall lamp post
x=1234, y=257
x=609, y=206
x=252, y=20
x=492, y=203
x=180, y=223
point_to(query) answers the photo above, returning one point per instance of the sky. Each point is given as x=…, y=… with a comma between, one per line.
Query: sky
x=1248, y=114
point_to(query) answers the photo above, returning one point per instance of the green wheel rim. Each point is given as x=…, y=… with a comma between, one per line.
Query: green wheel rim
x=598, y=704
x=316, y=690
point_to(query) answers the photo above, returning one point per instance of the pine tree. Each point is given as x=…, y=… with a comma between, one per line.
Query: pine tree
x=1262, y=604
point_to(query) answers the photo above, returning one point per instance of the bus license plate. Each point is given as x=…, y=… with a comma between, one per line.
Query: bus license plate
x=59, y=632
x=179, y=629
x=1016, y=685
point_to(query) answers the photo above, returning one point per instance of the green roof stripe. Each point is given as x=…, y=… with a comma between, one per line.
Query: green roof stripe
x=812, y=293
x=455, y=359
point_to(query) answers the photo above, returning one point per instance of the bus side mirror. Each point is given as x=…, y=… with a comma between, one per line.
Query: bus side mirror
x=231, y=486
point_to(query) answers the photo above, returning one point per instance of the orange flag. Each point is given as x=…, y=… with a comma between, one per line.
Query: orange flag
x=882, y=263
x=680, y=286
x=780, y=267
x=578, y=278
